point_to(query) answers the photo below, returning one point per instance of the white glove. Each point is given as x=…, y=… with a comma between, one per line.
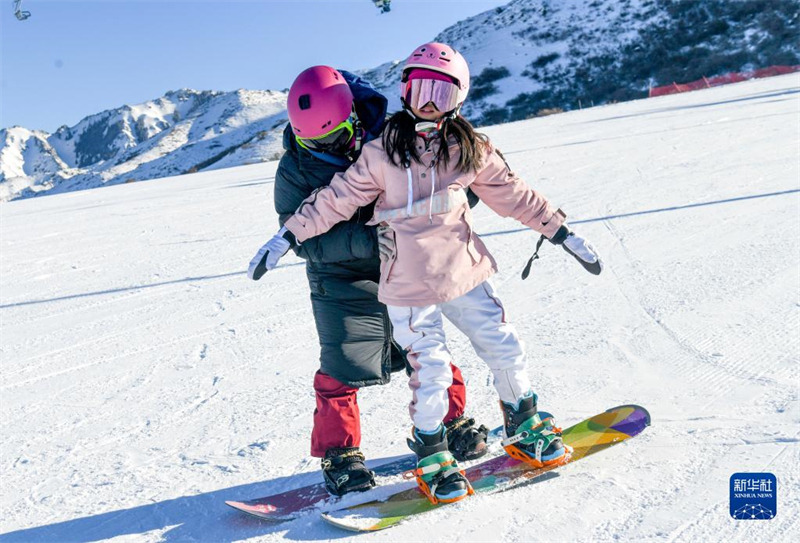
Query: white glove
x=386, y=243
x=584, y=253
x=575, y=245
x=267, y=257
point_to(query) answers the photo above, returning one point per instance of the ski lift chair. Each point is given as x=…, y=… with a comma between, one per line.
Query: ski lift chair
x=384, y=5
x=21, y=15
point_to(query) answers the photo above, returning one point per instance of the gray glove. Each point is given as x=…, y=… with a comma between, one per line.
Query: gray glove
x=268, y=256
x=386, y=244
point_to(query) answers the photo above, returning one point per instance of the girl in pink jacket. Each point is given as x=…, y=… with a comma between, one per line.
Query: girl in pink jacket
x=434, y=265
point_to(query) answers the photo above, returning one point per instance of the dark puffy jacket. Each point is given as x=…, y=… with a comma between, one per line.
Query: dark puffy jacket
x=342, y=265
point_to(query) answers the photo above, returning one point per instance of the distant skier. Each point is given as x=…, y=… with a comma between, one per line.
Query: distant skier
x=332, y=115
x=419, y=172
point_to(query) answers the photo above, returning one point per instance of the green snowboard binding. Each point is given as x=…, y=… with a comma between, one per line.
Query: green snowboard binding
x=530, y=439
x=437, y=472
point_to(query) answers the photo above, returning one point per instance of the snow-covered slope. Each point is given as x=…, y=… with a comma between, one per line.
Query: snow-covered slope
x=145, y=380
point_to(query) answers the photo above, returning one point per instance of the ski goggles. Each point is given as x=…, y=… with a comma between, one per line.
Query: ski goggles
x=336, y=139
x=419, y=92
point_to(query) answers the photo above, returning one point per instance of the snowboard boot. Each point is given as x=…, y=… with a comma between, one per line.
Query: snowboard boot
x=465, y=440
x=437, y=472
x=530, y=439
x=344, y=471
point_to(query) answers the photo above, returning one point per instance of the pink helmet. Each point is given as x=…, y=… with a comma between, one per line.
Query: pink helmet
x=319, y=99
x=443, y=59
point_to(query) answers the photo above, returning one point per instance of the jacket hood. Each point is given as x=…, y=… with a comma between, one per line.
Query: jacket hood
x=371, y=105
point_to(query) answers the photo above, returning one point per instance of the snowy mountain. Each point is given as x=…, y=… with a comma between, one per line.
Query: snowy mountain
x=527, y=58
x=145, y=380
x=534, y=57
x=26, y=158
x=182, y=132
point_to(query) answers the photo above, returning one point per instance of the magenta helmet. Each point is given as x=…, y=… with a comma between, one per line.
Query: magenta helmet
x=441, y=58
x=319, y=99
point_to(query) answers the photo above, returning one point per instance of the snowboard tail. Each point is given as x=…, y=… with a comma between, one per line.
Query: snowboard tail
x=294, y=503
x=501, y=473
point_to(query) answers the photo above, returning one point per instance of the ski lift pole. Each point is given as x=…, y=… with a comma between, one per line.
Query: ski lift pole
x=20, y=14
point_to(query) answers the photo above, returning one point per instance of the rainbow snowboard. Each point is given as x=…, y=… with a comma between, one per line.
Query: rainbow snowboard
x=497, y=474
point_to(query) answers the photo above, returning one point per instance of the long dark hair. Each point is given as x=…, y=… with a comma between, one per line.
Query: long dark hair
x=400, y=136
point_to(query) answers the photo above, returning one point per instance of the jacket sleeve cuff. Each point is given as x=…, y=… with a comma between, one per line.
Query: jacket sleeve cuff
x=561, y=235
x=297, y=229
x=550, y=230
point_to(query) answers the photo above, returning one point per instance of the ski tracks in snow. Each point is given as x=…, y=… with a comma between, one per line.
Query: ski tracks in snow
x=145, y=379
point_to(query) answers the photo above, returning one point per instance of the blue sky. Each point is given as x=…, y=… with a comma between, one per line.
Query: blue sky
x=75, y=58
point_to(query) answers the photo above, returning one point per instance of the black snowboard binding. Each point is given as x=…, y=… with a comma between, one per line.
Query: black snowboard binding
x=465, y=440
x=344, y=471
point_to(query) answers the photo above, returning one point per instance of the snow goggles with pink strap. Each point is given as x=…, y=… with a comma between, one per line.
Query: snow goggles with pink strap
x=419, y=92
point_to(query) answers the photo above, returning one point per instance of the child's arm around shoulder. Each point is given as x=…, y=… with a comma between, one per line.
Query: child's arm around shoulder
x=509, y=196
x=356, y=187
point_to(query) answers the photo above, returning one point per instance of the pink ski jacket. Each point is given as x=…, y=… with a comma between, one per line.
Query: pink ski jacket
x=438, y=256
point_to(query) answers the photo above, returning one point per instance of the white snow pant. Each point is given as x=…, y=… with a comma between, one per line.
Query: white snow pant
x=480, y=316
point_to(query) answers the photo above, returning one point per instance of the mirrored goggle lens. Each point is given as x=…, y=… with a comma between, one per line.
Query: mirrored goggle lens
x=443, y=94
x=336, y=139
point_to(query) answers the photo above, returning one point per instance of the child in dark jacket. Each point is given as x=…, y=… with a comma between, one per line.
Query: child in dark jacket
x=419, y=172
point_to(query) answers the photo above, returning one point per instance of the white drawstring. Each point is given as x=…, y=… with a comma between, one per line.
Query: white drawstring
x=433, y=185
x=410, y=191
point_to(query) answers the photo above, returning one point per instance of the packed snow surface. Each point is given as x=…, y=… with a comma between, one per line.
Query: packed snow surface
x=145, y=380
